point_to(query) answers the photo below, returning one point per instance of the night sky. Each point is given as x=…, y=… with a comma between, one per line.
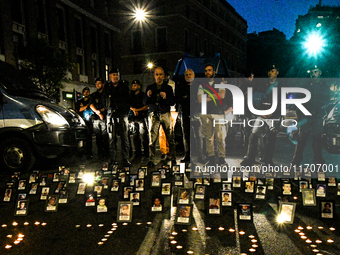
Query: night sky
x=263, y=15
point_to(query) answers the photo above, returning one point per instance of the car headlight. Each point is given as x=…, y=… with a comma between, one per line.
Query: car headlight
x=51, y=117
x=76, y=115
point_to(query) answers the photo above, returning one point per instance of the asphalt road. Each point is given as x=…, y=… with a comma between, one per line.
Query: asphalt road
x=78, y=229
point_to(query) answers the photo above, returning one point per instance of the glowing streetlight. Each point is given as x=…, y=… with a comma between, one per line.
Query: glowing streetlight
x=140, y=15
x=150, y=65
x=314, y=44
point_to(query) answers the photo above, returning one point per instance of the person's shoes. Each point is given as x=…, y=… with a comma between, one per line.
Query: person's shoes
x=163, y=156
x=126, y=162
x=211, y=161
x=151, y=164
x=319, y=161
x=247, y=162
x=267, y=162
x=221, y=161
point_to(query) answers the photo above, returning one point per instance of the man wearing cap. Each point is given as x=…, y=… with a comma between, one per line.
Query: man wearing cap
x=263, y=124
x=98, y=104
x=118, y=92
x=137, y=116
x=312, y=125
x=159, y=97
x=83, y=108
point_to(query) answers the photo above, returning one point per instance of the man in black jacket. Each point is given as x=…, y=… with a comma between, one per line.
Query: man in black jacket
x=117, y=116
x=159, y=97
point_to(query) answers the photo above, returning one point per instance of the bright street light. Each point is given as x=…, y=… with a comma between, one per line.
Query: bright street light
x=150, y=65
x=314, y=44
x=140, y=15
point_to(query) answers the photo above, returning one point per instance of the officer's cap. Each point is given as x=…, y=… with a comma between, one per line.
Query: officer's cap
x=86, y=88
x=272, y=66
x=114, y=70
x=136, y=82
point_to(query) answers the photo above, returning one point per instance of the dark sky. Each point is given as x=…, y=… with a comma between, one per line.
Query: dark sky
x=263, y=15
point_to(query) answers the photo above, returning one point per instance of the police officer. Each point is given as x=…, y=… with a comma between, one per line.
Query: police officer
x=98, y=104
x=312, y=125
x=118, y=92
x=83, y=108
x=138, y=117
x=263, y=124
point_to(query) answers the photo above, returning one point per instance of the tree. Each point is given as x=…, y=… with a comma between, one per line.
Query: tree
x=46, y=66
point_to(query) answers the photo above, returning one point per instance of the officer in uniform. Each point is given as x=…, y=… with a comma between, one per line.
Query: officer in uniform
x=263, y=124
x=98, y=104
x=117, y=115
x=138, y=117
x=312, y=125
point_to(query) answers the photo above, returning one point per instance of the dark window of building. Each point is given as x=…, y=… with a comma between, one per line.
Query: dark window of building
x=186, y=41
x=205, y=46
x=206, y=3
x=94, y=39
x=137, y=67
x=17, y=11
x=197, y=48
x=161, y=42
x=107, y=42
x=94, y=68
x=41, y=16
x=93, y=3
x=106, y=8
x=80, y=64
x=187, y=11
x=136, y=42
x=61, y=24
x=18, y=40
x=79, y=32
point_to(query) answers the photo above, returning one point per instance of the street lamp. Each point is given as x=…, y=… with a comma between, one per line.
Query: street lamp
x=314, y=44
x=140, y=15
x=150, y=65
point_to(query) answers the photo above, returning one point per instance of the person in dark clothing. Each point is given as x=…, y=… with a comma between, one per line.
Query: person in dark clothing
x=98, y=104
x=265, y=92
x=159, y=97
x=117, y=116
x=83, y=108
x=182, y=92
x=138, y=117
x=312, y=125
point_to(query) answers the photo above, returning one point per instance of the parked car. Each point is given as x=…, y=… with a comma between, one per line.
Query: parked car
x=31, y=126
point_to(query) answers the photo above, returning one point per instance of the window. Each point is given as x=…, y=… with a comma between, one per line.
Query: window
x=41, y=16
x=80, y=64
x=79, y=32
x=107, y=70
x=92, y=3
x=186, y=41
x=205, y=46
x=136, y=42
x=197, y=49
x=106, y=8
x=94, y=68
x=61, y=24
x=161, y=42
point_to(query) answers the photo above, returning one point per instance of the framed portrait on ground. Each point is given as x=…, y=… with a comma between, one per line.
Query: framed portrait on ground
x=124, y=211
x=122, y=176
x=55, y=177
x=127, y=191
x=183, y=214
x=214, y=206
x=237, y=181
x=139, y=185
x=22, y=196
x=44, y=193
x=286, y=188
x=72, y=178
x=141, y=173
x=249, y=187
x=178, y=179
x=105, y=182
x=338, y=191
x=63, y=197
x=184, y=196
x=327, y=209
x=81, y=188
x=61, y=185
x=270, y=183
x=157, y=204
x=133, y=178
x=8, y=195
x=245, y=211
x=156, y=179
x=331, y=182
x=163, y=173
x=105, y=166
x=135, y=198
x=321, y=190
x=22, y=185
x=52, y=203
x=206, y=181
x=260, y=192
x=321, y=176
x=308, y=197
x=98, y=189
x=21, y=208
x=115, y=185
x=114, y=168
x=227, y=198
x=303, y=185
x=217, y=178
x=287, y=212
x=101, y=205
x=175, y=169
x=34, y=188
x=33, y=177
x=227, y=186
x=199, y=192
x=90, y=200
x=166, y=188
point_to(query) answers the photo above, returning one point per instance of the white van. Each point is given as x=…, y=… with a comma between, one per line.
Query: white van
x=31, y=126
